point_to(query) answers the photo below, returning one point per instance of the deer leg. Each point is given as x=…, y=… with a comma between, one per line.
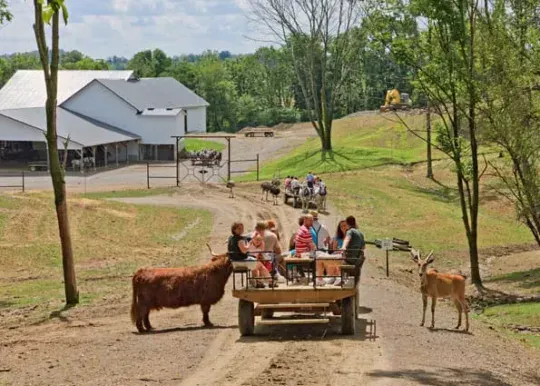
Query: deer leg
x=433, y=304
x=205, y=308
x=465, y=307
x=459, y=307
x=424, y=303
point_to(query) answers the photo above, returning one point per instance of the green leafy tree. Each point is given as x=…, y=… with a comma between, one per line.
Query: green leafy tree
x=510, y=108
x=450, y=79
x=5, y=15
x=317, y=36
x=49, y=13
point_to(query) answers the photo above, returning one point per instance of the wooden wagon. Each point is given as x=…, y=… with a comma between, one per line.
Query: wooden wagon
x=254, y=132
x=307, y=299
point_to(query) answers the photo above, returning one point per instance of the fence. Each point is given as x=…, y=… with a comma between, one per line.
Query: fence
x=13, y=185
x=149, y=176
x=246, y=171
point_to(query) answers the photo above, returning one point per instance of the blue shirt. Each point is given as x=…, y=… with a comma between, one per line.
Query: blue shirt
x=314, y=235
x=310, y=178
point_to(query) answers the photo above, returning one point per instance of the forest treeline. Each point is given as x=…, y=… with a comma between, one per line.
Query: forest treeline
x=247, y=90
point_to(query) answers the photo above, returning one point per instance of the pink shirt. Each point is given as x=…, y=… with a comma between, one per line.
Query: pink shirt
x=303, y=240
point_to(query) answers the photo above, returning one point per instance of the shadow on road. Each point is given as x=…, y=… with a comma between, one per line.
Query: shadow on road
x=443, y=376
x=365, y=331
x=184, y=329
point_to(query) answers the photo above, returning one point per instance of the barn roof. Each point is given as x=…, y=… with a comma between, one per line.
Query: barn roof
x=27, y=87
x=80, y=129
x=157, y=93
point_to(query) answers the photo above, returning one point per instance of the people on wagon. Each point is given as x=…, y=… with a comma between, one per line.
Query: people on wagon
x=321, y=236
x=339, y=237
x=271, y=242
x=310, y=180
x=238, y=248
x=295, y=185
x=288, y=181
x=303, y=242
x=354, y=245
x=271, y=249
x=292, y=240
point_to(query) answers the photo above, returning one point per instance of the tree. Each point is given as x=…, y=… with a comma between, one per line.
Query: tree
x=49, y=13
x=450, y=80
x=149, y=64
x=5, y=15
x=510, y=111
x=316, y=34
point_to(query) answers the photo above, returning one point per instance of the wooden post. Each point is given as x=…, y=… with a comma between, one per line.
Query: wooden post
x=116, y=153
x=257, y=166
x=127, y=155
x=148, y=175
x=106, y=154
x=177, y=161
x=387, y=267
x=23, y=181
x=81, y=165
x=94, y=156
x=228, y=159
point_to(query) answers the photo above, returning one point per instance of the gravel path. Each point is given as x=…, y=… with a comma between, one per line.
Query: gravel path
x=101, y=347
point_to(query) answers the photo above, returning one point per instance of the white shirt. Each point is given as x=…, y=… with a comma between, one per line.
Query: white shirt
x=322, y=234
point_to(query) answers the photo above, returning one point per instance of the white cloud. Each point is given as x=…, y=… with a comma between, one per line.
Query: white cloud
x=103, y=28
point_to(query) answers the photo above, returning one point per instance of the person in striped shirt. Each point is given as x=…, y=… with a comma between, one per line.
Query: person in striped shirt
x=303, y=239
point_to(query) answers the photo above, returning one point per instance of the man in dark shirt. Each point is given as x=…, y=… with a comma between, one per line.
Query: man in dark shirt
x=354, y=244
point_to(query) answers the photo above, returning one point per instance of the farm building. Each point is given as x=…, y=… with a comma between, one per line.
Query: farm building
x=111, y=116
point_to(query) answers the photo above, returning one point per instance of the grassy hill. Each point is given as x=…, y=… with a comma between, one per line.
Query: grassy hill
x=365, y=141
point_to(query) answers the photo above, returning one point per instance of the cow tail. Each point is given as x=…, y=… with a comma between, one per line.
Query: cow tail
x=134, y=306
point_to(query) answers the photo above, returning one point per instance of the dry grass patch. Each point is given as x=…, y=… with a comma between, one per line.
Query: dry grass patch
x=110, y=240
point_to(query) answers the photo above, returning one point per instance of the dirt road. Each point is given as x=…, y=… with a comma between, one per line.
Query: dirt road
x=101, y=347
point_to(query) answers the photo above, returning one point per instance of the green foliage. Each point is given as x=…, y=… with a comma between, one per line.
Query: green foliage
x=5, y=15
x=194, y=144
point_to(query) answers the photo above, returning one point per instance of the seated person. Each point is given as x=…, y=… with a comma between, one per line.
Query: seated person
x=238, y=248
x=353, y=246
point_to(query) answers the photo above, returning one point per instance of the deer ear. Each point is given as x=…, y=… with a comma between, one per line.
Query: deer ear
x=430, y=258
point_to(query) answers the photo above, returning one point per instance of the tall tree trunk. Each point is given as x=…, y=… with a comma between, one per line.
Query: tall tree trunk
x=475, y=201
x=429, y=173
x=57, y=174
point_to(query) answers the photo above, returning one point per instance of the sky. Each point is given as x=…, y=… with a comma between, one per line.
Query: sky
x=103, y=28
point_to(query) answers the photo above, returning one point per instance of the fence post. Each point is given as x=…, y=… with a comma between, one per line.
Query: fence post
x=23, y=181
x=257, y=166
x=148, y=175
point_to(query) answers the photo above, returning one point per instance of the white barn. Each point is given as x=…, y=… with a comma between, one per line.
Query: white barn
x=110, y=115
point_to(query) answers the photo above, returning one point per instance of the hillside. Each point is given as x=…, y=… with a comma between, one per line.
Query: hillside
x=368, y=140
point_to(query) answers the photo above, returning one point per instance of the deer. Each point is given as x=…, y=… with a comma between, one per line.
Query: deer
x=440, y=285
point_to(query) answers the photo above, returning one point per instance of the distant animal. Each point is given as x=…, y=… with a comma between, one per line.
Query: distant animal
x=306, y=196
x=230, y=185
x=157, y=288
x=75, y=163
x=440, y=285
x=320, y=198
x=272, y=188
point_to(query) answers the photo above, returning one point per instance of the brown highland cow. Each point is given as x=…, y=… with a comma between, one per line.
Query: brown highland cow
x=157, y=288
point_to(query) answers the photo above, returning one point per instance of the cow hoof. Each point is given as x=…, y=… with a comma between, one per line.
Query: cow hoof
x=209, y=325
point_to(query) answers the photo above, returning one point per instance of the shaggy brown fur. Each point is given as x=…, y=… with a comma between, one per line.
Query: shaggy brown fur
x=157, y=288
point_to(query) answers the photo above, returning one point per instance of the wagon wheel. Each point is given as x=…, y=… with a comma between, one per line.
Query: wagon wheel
x=348, y=316
x=267, y=313
x=246, y=317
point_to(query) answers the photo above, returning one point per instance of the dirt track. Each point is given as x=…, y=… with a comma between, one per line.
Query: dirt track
x=101, y=347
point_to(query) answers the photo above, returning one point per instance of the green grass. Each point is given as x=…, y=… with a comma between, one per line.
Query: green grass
x=358, y=143
x=527, y=280
x=395, y=202
x=110, y=241
x=524, y=314
x=129, y=193
x=194, y=144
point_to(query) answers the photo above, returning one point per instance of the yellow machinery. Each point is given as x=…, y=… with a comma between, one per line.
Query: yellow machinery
x=393, y=101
